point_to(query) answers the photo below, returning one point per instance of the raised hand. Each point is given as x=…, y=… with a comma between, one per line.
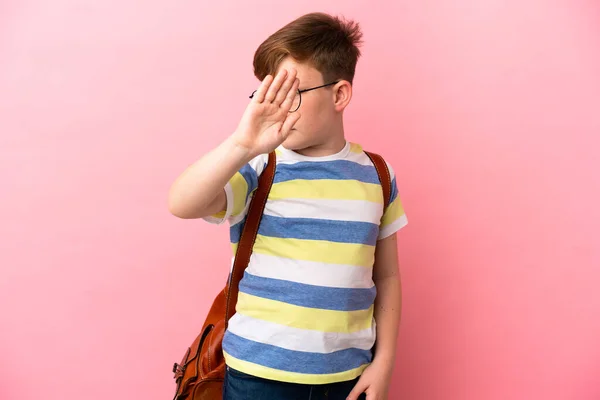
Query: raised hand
x=267, y=122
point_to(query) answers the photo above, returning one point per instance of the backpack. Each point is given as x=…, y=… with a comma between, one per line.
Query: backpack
x=200, y=374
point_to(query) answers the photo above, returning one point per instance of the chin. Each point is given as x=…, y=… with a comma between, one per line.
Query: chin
x=295, y=142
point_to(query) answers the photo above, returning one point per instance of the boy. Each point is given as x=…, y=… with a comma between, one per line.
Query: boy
x=324, y=266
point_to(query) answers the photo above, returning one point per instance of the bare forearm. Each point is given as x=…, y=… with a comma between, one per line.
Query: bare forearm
x=388, y=307
x=193, y=192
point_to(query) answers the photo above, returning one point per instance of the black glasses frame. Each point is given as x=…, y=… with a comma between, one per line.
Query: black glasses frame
x=304, y=91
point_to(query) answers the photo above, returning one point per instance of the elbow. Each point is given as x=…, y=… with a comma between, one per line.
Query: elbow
x=181, y=212
x=176, y=205
x=175, y=208
x=183, y=208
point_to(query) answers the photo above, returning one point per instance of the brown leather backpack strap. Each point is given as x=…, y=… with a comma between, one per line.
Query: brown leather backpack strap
x=384, y=177
x=386, y=184
x=246, y=243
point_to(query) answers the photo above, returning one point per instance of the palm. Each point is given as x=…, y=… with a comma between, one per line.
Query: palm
x=264, y=122
x=267, y=122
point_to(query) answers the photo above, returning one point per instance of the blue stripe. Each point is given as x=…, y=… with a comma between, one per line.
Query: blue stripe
x=235, y=231
x=294, y=361
x=304, y=295
x=338, y=170
x=319, y=229
x=394, y=192
x=251, y=178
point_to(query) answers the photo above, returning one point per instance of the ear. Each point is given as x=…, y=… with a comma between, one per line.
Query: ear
x=342, y=94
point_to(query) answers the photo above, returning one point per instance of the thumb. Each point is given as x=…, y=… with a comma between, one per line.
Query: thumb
x=289, y=123
x=358, y=389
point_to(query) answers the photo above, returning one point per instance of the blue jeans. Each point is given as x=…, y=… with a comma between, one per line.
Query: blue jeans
x=241, y=386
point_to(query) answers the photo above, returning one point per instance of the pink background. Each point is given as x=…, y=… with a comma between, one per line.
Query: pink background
x=488, y=110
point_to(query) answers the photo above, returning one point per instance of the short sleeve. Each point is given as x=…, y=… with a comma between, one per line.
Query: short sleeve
x=239, y=191
x=394, y=217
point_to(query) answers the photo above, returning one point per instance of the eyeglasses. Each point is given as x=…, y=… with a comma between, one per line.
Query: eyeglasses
x=298, y=98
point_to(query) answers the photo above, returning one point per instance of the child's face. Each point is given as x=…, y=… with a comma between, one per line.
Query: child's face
x=320, y=116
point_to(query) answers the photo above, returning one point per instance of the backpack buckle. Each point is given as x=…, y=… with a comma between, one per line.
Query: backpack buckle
x=178, y=368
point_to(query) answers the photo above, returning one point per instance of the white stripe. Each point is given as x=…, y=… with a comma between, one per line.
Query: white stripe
x=393, y=227
x=259, y=162
x=337, y=210
x=299, y=339
x=310, y=272
x=359, y=158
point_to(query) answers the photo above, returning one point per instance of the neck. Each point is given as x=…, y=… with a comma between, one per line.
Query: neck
x=334, y=143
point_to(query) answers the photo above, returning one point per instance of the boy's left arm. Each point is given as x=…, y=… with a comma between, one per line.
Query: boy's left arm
x=376, y=378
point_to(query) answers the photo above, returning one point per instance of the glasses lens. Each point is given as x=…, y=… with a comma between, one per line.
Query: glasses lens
x=296, y=102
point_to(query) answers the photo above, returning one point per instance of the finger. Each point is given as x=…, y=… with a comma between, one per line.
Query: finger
x=372, y=396
x=259, y=96
x=359, y=388
x=285, y=88
x=274, y=88
x=289, y=123
x=289, y=98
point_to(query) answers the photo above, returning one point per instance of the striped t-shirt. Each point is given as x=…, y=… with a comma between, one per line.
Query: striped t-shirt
x=305, y=306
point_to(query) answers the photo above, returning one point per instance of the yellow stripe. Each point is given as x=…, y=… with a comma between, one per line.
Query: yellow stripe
x=278, y=153
x=304, y=317
x=293, y=377
x=356, y=148
x=361, y=255
x=331, y=189
x=393, y=212
x=239, y=187
x=219, y=215
x=234, y=247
